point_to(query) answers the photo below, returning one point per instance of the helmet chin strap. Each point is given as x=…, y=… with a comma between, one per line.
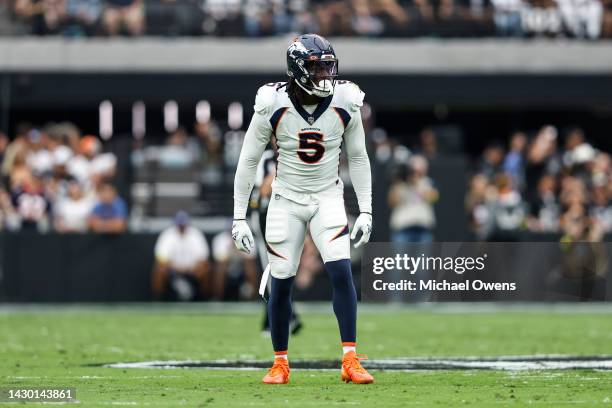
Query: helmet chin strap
x=317, y=92
x=301, y=86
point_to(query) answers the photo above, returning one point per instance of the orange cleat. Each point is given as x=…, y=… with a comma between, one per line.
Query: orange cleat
x=279, y=373
x=353, y=371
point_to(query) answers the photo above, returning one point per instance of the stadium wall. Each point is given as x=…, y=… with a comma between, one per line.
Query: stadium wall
x=35, y=72
x=384, y=91
x=117, y=268
x=206, y=55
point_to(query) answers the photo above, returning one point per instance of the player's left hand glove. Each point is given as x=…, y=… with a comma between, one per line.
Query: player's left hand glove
x=243, y=238
x=363, y=224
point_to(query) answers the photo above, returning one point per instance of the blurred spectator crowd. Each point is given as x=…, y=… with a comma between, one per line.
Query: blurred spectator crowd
x=55, y=179
x=253, y=18
x=542, y=183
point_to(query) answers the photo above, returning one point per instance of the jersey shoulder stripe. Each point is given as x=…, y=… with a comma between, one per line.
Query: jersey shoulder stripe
x=276, y=118
x=344, y=116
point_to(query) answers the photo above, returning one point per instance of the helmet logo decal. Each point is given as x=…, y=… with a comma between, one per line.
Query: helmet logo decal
x=297, y=46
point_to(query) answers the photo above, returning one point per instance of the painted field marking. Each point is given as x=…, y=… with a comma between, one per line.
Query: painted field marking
x=510, y=363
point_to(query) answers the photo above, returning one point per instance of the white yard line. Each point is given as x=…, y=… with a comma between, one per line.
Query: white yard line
x=509, y=363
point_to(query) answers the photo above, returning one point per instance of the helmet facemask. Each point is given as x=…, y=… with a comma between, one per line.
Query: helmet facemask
x=319, y=75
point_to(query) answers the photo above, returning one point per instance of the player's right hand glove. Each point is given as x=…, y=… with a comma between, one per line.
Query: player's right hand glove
x=243, y=238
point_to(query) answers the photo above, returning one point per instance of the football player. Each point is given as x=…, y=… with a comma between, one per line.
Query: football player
x=311, y=116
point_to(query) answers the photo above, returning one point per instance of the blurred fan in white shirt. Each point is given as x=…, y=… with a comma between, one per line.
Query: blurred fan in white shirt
x=181, y=269
x=72, y=212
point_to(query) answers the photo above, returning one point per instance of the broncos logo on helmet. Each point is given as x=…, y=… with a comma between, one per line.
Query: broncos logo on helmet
x=313, y=65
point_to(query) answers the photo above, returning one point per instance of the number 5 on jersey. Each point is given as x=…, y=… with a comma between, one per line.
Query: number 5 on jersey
x=310, y=150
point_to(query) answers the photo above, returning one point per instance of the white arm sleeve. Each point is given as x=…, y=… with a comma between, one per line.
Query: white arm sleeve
x=359, y=164
x=255, y=142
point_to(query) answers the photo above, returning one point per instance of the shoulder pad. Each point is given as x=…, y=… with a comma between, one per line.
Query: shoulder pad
x=265, y=98
x=351, y=95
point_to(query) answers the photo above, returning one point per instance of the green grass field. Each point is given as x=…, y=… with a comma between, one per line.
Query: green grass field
x=44, y=347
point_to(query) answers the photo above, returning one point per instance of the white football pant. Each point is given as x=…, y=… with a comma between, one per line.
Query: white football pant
x=290, y=213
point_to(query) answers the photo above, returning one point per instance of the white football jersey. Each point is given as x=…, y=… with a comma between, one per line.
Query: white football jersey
x=309, y=138
x=309, y=143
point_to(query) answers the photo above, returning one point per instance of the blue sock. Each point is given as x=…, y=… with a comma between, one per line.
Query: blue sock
x=344, y=298
x=279, y=310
